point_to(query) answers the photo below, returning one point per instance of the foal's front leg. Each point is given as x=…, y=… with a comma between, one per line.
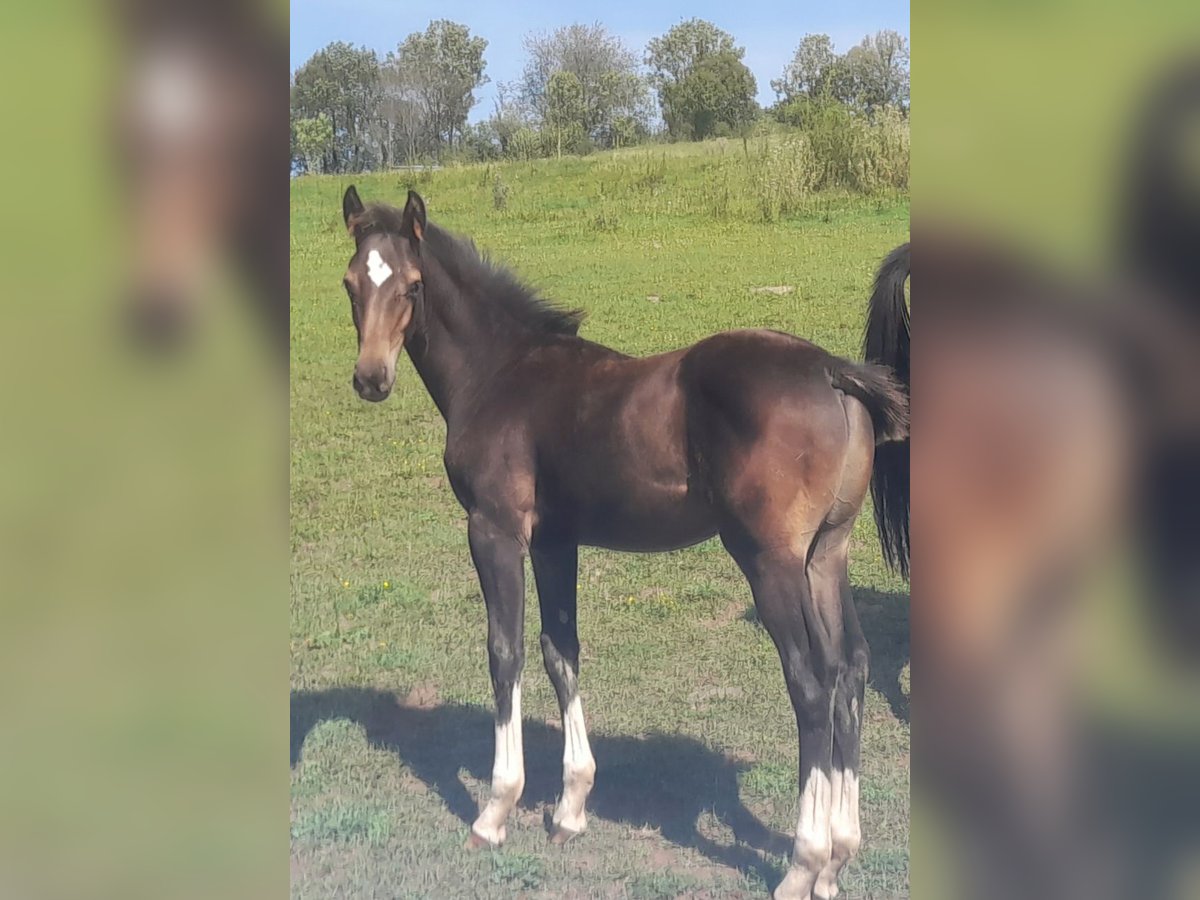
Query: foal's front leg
x=499, y=560
x=555, y=567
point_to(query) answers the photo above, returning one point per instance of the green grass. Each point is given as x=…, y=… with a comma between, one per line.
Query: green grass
x=690, y=721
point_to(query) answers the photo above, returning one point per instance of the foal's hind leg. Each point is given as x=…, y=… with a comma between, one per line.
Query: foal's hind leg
x=807, y=640
x=555, y=568
x=829, y=581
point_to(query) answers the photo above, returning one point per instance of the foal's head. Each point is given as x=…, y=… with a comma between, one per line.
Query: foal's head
x=384, y=284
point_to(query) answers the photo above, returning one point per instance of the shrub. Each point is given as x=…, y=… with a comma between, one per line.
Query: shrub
x=853, y=150
x=525, y=144
x=783, y=173
x=499, y=193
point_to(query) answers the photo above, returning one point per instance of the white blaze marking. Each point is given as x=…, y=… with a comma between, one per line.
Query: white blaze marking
x=377, y=269
x=172, y=92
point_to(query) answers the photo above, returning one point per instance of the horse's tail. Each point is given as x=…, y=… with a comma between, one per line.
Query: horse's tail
x=881, y=393
x=887, y=343
x=1161, y=216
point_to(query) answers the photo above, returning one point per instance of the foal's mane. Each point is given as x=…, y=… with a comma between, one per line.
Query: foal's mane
x=468, y=267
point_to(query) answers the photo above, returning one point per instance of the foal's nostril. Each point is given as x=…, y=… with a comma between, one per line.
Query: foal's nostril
x=156, y=321
x=370, y=387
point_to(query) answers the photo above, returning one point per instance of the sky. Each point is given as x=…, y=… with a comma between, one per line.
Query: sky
x=769, y=31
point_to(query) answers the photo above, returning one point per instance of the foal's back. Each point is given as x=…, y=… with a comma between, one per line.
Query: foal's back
x=653, y=453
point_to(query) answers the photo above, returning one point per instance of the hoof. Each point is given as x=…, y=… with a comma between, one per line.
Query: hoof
x=559, y=835
x=476, y=841
x=792, y=891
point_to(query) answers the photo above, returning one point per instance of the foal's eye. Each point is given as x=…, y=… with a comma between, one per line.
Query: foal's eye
x=414, y=288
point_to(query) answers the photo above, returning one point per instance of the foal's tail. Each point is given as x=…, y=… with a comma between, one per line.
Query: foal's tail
x=887, y=343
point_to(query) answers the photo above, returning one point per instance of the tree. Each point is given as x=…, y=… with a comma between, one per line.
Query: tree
x=607, y=73
x=716, y=96
x=402, y=114
x=879, y=70
x=313, y=137
x=509, y=115
x=341, y=82
x=674, y=56
x=435, y=72
x=809, y=72
x=565, y=110
x=870, y=75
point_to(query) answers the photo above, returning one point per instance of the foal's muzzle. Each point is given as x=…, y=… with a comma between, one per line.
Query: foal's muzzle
x=157, y=320
x=374, y=386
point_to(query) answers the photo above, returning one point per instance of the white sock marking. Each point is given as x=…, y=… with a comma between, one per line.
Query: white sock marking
x=811, y=852
x=508, y=775
x=816, y=802
x=577, y=753
x=844, y=830
x=844, y=822
x=377, y=269
x=510, y=760
x=579, y=768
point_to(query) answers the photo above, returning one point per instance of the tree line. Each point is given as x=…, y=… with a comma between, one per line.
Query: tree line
x=581, y=89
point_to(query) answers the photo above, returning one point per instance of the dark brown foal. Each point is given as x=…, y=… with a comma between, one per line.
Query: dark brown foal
x=553, y=441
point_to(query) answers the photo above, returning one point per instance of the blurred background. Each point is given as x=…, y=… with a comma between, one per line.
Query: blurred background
x=143, y=544
x=143, y=541
x=1055, y=636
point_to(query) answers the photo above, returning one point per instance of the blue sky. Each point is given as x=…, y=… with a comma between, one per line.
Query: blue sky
x=768, y=31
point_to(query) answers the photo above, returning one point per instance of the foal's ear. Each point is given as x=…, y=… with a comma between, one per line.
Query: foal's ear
x=351, y=206
x=414, y=217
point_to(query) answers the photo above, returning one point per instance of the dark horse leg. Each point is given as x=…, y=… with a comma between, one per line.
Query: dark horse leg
x=789, y=509
x=555, y=568
x=807, y=645
x=829, y=581
x=499, y=559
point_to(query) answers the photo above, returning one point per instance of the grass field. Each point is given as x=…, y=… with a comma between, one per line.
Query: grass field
x=688, y=714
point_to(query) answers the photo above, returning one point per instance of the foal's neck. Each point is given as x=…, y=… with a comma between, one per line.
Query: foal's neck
x=457, y=342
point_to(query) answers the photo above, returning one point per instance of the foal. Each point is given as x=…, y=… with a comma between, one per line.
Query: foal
x=553, y=441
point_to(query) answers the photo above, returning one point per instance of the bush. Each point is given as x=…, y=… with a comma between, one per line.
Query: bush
x=856, y=151
x=525, y=144
x=480, y=143
x=783, y=173
x=499, y=193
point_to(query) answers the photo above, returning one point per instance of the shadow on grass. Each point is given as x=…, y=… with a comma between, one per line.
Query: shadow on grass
x=884, y=616
x=662, y=781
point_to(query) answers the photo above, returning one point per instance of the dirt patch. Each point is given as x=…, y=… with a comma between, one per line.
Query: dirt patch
x=424, y=695
x=777, y=289
x=663, y=858
x=730, y=614
x=716, y=692
x=743, y=756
